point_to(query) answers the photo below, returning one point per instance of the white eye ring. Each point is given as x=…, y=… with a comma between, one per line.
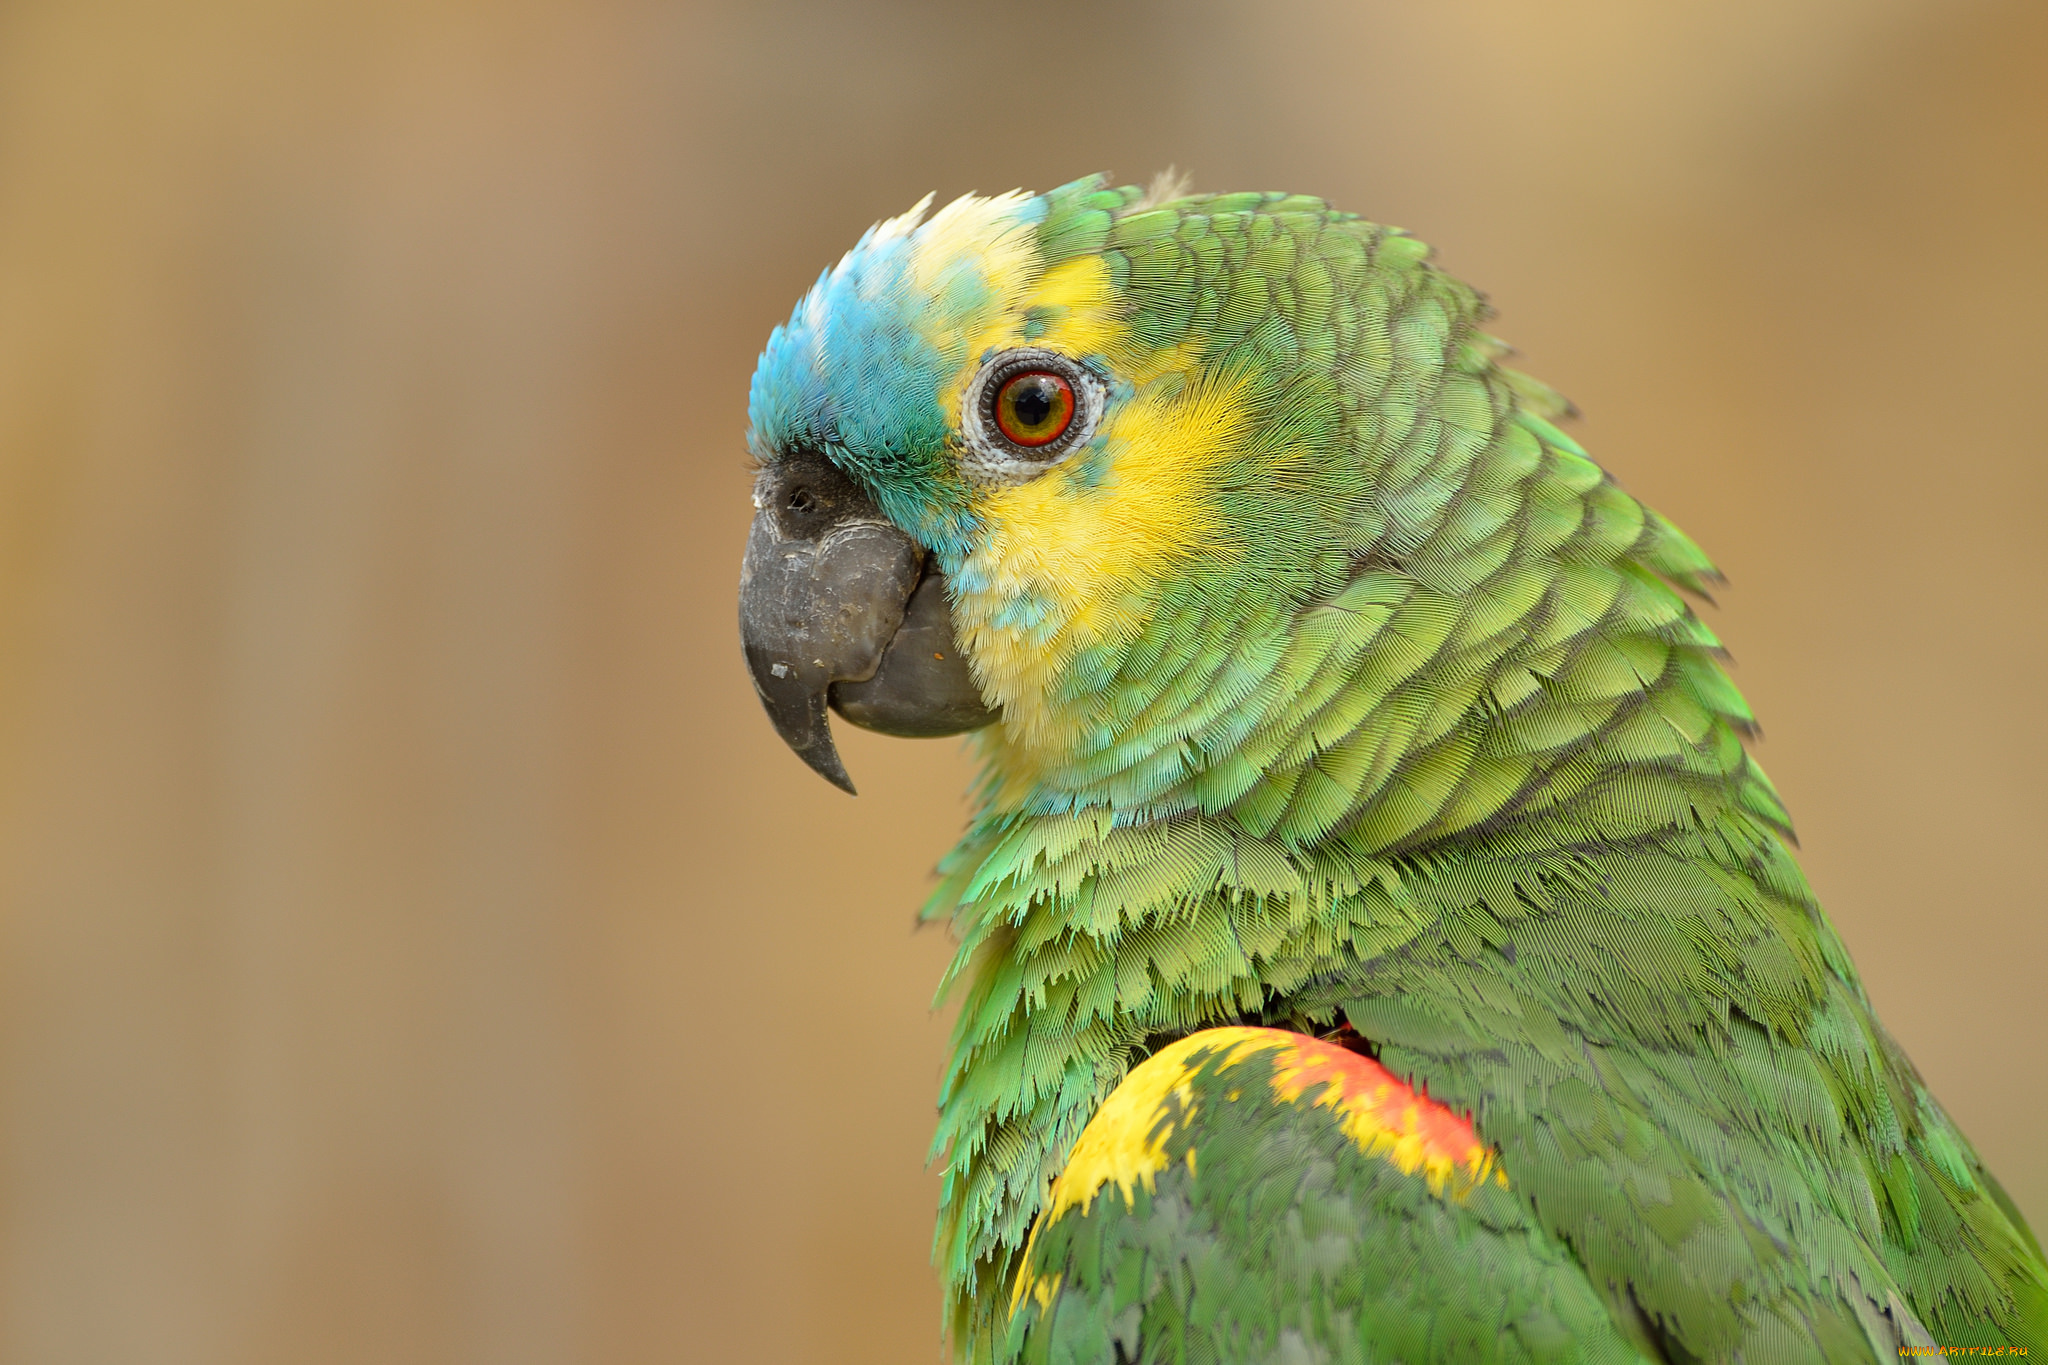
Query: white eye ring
x=993, y=456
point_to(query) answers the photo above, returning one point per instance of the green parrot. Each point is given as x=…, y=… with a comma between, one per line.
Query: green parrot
x=1375, y=941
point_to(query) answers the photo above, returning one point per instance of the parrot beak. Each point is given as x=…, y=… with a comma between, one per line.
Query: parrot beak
x=839, y=607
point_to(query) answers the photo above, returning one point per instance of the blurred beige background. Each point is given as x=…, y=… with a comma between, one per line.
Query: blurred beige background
x=414, y=944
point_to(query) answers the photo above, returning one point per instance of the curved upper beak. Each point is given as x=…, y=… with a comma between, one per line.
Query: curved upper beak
x=839, y=607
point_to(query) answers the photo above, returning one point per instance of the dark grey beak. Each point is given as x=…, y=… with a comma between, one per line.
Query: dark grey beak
x=839, y=607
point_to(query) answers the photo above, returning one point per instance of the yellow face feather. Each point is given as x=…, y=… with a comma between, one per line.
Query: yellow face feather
x=1068, y=557
x=1083, y=550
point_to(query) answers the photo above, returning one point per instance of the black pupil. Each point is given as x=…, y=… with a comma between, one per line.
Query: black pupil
x=1033, y=400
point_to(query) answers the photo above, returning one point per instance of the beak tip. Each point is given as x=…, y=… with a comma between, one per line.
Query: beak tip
x=829, y=767
x=800, y=717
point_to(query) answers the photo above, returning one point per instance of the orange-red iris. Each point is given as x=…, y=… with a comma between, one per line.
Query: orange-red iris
x=1034, y=408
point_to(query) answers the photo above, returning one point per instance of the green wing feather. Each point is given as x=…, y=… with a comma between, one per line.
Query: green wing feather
x=1287, y=1242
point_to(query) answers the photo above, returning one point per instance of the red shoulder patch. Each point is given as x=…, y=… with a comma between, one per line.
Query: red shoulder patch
x=1384, y=1115
x=1125, y=1143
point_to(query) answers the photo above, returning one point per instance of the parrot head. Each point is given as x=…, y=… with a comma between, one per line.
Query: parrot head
x=1027, y=421
x=1132, y=487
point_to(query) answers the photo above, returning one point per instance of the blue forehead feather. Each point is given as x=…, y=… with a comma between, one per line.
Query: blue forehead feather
x=855, y=374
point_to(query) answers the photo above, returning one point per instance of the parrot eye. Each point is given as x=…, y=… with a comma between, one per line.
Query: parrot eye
x=1026, y=410
x=1034, y=408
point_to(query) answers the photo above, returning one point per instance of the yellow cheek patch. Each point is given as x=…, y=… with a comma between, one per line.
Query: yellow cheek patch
x=1073, y=558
